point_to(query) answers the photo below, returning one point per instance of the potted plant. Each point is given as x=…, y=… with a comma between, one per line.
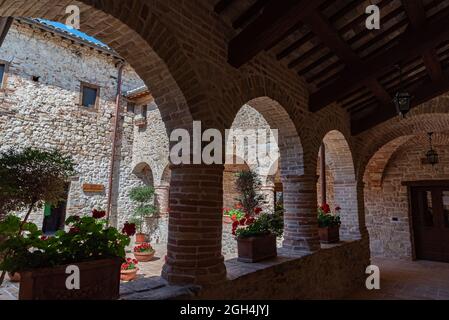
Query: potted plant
x=128, y=271
x=329, y=224
x=96, y=249
x=28, y=179
x=256, y=231
x=144, y=197
x=144, y=252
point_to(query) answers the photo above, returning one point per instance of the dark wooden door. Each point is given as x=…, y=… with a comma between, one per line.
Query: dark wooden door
x=430, y=215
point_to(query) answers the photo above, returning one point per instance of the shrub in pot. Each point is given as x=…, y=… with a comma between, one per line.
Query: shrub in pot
x=329, y=224
x=144, y=197
x=95, y=248
x=256, y=231
x=128, y=271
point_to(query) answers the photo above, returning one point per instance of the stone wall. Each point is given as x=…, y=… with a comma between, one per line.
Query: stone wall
x=386, y=204
x=327, y=274
x=47, y=114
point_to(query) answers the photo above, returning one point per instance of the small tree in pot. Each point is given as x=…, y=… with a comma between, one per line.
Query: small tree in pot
x=144, y=197
x=28, y=179
x=257, y=231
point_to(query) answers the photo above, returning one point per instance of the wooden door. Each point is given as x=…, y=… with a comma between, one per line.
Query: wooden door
x=430, y=216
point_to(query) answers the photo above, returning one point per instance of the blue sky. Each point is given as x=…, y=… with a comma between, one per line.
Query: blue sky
x=73, y=31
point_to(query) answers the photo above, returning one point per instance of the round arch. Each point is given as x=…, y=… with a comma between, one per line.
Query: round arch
x=155, y=53
x=343, y=186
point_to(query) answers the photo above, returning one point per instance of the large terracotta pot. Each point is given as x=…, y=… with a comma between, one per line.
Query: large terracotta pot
x=128, y=275
x=14, y=277
x=140, y=238
x=330, y=234
x=99, y=280
x=254, y=249
x=144, y=256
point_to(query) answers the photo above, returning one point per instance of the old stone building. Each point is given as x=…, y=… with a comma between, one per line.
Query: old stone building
x=315, y=73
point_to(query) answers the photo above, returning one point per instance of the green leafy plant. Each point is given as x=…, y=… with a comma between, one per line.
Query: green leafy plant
x=31, y=177
x=236, y=213
x=144, y=197
x=328, y=219
x=265, y=223
x=254, y=222
x=88, y=239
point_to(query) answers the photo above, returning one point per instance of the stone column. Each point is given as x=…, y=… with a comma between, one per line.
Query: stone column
x=268, y=191
x=300, y=213
x=162, y=197
x=346, y=197
x=195, y=226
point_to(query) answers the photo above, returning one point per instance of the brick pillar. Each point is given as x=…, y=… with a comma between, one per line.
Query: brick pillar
x=300, y=213
x=162, y=198
x=195, y=226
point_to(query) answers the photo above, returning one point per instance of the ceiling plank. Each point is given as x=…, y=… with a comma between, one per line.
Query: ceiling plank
x=331, y=39
x=277, y=18
x=383, y=113
x=412, y=44
x=416, y=15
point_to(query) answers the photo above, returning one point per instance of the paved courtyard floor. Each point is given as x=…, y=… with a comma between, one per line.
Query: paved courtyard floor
x=408, y=280
x=415, y=280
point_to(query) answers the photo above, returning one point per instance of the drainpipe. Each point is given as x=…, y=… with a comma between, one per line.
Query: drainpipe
x=114, y=139
x=323, y=174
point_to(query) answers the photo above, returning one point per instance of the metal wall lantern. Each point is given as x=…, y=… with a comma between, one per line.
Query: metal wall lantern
x=431, y=155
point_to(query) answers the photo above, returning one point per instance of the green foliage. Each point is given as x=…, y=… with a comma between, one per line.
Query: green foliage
x=88, y=239
x=144, y=197
x=265, y=223
x=327, y=219
x=236, y=214
x=247, y=185
x=30, y=177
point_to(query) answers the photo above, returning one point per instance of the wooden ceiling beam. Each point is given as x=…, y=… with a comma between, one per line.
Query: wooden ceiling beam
x=222, y=5
x=412, y=44
x=331, y=39
x=383, y=113
x=417, y=17
x=249, y=13
x=277, y=18
x=5, y=25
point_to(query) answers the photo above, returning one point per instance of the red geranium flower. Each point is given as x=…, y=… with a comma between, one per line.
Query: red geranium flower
x=129, y=229
x=257, y=210
x=74, y=230
x=44, y=238
x=97, y=214
x=326, y=208
x=234, y=217
x=337, y=209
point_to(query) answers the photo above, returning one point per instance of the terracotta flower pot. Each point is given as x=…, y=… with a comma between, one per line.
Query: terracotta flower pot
x=100, y=280
x=254, y=249
x=128, y=275
x=330, y=234
x=140, y=237
x=14, y=277
x=144, y=256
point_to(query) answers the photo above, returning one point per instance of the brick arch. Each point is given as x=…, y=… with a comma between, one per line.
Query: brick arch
x=340, y=161
x=374, y=172
x=144, y=42
x=417, y=123
x=289, y=143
